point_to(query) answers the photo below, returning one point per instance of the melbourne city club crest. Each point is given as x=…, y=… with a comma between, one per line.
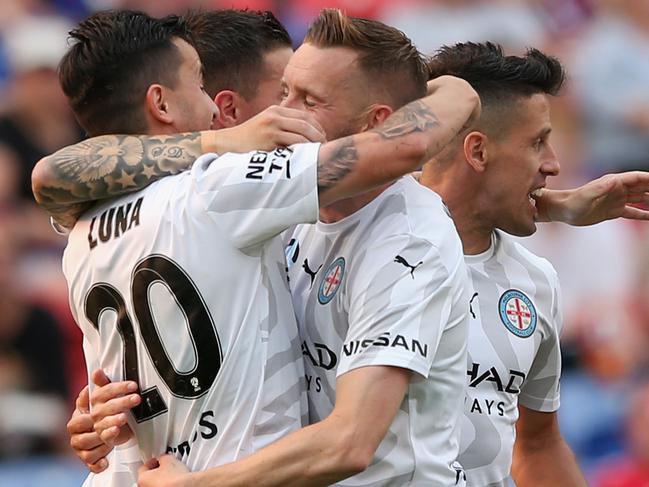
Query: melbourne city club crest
x=333, y=278
x=517, y=313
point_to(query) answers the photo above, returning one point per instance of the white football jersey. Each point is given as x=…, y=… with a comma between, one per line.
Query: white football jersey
x=388, y=286
x=123, y=464
x=182, y=287
x=514, y=355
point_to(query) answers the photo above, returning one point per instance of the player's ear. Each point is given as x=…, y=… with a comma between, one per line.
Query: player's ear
x=375, y=116
x=475, y=150
x=229, y=105
x=157, y=104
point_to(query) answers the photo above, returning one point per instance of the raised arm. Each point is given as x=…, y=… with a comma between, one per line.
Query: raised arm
x=407, y=139
x=67, y=182
x=609, y=197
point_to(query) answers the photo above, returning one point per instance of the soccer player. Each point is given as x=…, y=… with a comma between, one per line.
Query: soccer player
x=271, y=128
x=514, y=361
x=243, y=54
x=136, y=281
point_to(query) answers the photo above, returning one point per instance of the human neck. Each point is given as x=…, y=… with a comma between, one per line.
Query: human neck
x=343, y=208
x=472, y=226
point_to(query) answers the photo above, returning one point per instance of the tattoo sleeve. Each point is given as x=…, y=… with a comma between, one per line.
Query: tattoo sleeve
x=335, y=167
x=414, y=117
x=108, y=166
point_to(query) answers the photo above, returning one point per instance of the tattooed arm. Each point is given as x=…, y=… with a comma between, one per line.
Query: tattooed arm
x=407, y=139
x=67, y=182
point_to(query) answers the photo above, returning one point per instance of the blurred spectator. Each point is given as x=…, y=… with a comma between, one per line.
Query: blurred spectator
x=37, y=268
x=597, y=279
x=601, y=341
x=433, y=24
x=77, y=9
x=37, y=120
x=565, y=16
x=33, y=387
x=610, y=79
x=28, y=221
x=158, y=8
x=632, y=469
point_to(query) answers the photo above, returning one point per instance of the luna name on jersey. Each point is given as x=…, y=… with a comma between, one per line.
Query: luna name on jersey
x=114, y=222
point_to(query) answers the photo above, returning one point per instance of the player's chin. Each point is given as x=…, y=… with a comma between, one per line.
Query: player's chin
x=521, y=227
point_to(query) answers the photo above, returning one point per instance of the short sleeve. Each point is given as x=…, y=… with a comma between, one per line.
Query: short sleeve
x=399, y=304
x=541, y=389
x=257, y=195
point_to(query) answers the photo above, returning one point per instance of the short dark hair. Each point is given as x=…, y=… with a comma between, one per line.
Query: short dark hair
x=232, y=43
x=499, y=79
x=384, y=53
x=115, y=57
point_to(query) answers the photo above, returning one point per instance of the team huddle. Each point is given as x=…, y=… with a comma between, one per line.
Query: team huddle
x=270, y=295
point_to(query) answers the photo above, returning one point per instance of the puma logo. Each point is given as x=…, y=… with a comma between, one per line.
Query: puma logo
x=307, y=269
x=400, y=260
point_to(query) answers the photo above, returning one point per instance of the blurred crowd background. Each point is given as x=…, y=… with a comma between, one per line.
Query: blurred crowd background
x=601, y=125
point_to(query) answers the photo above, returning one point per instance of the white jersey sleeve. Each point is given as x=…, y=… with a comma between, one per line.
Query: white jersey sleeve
x=399, y=307
x=257, y=195
x=540, y=390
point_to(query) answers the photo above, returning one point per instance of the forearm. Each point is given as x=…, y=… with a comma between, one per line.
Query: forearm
x=68, y=181
x=318, y=455
x=409, y=137
x=546, y=464
x=551, y=205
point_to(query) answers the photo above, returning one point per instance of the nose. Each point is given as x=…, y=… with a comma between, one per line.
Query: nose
x=551, y=166
x=289, y=102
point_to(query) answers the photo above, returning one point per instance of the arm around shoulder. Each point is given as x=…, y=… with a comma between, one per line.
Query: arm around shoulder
x=623, y=195
x=335, y=448
x=402, y=144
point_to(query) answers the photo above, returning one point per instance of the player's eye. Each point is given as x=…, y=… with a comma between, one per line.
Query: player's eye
x=309, y=102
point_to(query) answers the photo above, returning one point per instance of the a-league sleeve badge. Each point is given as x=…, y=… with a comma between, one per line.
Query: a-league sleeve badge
x=333, y=278
x=517, y=313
